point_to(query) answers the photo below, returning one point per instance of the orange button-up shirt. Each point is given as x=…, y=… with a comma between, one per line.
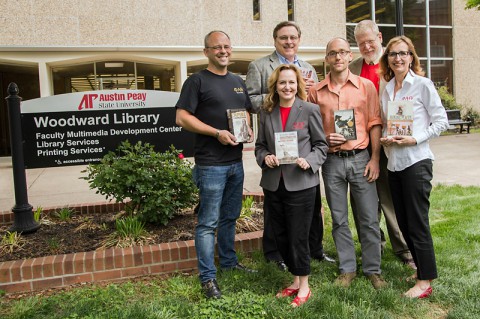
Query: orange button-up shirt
x=358, y=94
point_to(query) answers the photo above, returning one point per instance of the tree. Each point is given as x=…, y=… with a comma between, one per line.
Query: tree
x=473, y=4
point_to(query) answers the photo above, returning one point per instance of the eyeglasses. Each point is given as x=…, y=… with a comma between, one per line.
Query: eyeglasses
x=368, y=42
x=219, y=47
x=333, y=54
x=286, y=37
x=401, y=54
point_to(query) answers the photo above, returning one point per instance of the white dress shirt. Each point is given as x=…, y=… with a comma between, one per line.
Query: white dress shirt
x=429, y=120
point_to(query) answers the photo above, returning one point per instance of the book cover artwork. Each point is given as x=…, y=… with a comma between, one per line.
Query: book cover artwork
x=399, y=118
x=345, y=123
x=286, y=147
x=237, y=124
x=306, y=73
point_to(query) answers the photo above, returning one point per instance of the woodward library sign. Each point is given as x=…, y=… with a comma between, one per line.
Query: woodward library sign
x=80, y=128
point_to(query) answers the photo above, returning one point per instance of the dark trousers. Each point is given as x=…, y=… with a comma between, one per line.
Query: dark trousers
x=290, y=216
x=270, y=250
x=410, y=193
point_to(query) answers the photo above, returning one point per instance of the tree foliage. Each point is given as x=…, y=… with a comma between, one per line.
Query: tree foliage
x=471, y=4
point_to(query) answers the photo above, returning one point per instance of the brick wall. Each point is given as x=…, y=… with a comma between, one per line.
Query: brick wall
x=109, y=264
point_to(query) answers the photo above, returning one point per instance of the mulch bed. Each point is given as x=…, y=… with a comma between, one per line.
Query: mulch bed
x=87, y=232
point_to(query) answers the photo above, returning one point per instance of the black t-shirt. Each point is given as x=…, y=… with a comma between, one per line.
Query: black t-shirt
x=208, y=96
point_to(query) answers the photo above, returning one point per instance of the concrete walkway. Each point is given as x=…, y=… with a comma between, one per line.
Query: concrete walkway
x=457, y=162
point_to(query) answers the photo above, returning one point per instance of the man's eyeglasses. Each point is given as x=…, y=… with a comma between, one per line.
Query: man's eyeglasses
x=219, y=48
x=333, y=54
x=368, y=42
x=401, y=54
x=293, y=38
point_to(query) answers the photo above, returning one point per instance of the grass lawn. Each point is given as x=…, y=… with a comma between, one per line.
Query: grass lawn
x=456, y=234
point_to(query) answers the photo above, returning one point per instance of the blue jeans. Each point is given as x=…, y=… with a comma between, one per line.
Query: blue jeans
x=221, y=189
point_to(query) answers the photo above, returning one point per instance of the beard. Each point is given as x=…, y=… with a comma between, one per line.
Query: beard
x=375, y=57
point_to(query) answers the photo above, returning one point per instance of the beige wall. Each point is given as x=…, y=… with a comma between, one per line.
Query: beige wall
x=173, y=30
x=466, y=51
x=158, y=23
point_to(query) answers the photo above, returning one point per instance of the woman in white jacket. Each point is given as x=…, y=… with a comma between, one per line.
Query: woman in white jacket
x=409, y=156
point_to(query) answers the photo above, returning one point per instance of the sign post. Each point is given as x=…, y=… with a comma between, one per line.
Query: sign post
x=23, y=214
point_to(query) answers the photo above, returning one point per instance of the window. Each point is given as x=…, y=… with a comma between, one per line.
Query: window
x=437, y=55
x=113, y=75
x=291, y=10
x=256, y=10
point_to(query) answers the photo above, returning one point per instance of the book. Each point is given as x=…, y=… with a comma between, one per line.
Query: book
x=306, y=73
x=286, y=147
x=399, y=118
x=345, y=123
x=237, y=124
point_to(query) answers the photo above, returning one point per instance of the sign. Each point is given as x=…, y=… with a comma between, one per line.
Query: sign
x=80, y=128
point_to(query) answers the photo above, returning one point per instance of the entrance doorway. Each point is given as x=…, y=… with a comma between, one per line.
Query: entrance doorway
x=26, y=77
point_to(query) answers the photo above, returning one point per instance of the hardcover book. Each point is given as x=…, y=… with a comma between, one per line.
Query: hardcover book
x=399, y=118
x=237, y=124
x=286, y=147
x=345, y=123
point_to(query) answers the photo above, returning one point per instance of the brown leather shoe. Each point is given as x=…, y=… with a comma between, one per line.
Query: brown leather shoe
x=377, y=281
x=345, y=279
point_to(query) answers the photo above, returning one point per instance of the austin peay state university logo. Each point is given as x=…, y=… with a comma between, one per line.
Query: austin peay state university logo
x=87, y=101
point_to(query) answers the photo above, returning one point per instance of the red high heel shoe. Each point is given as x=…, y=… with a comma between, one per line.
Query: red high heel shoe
x=287, y=292
x=298, y=301
x=426, y=293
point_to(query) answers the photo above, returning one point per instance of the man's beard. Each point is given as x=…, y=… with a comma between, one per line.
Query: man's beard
x=376, y=57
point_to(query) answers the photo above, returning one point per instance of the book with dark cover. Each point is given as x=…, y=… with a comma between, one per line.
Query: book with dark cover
x=238, y=125
x=286, y=147
x=345, y=123
x=399, y=118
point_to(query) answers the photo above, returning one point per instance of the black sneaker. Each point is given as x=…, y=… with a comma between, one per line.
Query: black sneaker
x=211, y=290
x=324, y=257
x=281, y=265
x=243, y=268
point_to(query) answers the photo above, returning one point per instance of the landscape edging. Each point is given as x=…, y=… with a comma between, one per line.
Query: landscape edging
x=110, y=264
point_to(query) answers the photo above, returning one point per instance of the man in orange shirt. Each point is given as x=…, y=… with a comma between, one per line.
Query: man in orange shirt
x=369, y=41
x=348, y=163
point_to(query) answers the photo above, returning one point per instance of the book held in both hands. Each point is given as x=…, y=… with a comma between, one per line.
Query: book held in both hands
x=345, y=123
x=286, y=147
x=399, y=118
x=237, y=124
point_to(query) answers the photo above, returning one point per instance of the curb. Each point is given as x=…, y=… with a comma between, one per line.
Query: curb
x=111, y=264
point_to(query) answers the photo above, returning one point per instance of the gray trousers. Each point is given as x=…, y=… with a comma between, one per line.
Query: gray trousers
x=338, y=175
x=385, y=205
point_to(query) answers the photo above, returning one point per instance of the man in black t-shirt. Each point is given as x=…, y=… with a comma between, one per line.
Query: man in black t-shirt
x=218, y=172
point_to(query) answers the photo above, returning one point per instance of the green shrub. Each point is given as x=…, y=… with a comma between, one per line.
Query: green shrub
x=449, y=102
x=151, y=184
